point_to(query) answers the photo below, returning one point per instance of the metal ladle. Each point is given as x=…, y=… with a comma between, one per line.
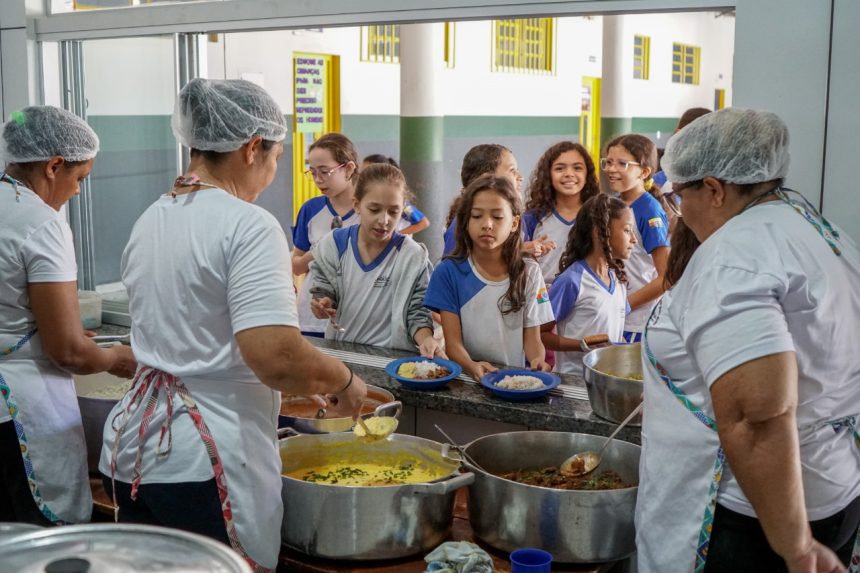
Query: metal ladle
x=383, y=426
x=586, y=462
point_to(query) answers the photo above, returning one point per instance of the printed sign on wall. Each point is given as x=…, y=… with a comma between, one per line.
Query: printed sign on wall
x=309, y=97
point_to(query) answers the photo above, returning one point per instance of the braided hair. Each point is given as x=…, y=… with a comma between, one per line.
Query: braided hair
x=515, y=297
x=596, y=214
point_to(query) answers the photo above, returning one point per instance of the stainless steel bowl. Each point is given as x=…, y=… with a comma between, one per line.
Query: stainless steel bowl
x=612, y=392
x=361, y=523
x=95, y=410
x=575, y=526
x=298, y=413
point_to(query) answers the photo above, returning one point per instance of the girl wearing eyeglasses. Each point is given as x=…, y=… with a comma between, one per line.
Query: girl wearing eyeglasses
x=333, y=166
x=629, y=163
x=369, y=280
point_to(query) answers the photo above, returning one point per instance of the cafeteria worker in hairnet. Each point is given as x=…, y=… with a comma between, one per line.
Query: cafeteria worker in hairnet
x=47, y=152
x=750, y=435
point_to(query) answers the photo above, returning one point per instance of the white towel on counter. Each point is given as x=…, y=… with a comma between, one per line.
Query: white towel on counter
x=458, y=557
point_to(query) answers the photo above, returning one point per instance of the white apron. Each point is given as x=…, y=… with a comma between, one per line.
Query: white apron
x=43, y=404
x=249, y=486
x=678, y=497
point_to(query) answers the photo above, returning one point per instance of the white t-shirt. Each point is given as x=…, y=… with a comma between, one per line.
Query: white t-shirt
x=557, y=228
x=584, y=305
x=36, y=246
x=457, y=287
x=199, y=269
x=652, y=232
x=766, y=282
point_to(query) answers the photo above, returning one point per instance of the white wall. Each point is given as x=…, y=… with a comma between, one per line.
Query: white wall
x=624, y=96
x=132, y=76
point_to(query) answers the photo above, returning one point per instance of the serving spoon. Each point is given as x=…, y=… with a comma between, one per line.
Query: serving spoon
x=382, y=427
x=586, y=462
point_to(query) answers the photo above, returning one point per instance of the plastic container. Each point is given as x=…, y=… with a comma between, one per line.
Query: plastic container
x=530, y=561
x=91, y=308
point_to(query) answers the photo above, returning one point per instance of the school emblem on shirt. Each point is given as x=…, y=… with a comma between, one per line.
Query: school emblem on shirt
x=542, y=295
x=656, y=222
x=381, y=281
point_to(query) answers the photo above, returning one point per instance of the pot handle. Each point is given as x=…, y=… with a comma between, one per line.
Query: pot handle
x=445, y=487
x=383, y=409
x=287, y=432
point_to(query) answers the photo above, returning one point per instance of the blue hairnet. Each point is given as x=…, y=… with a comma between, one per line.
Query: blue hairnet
x=38, y=133
x=223, y=115
x=734, y=145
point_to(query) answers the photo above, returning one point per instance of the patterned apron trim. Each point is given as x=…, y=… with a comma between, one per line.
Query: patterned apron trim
x=6, y=392
x=158, y=380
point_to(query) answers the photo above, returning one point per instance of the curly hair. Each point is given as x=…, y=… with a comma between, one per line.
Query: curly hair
x=597, y=213
x=514, y=299
x=541, y=194
x=481, y=159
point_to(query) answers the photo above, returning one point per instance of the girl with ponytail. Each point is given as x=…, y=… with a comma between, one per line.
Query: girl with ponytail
x=629, y=163
x=589, y=296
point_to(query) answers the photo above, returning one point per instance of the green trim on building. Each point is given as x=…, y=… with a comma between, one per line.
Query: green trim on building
x=422, y=138
x=496, y=126
x=371, y=127
x=133, y=132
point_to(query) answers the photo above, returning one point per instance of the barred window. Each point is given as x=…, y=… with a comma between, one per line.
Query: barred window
x=380, y=43
x=685, y=64
x=523, y=45
x=641, y=57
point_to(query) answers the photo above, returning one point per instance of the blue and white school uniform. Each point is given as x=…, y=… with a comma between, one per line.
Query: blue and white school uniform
x=411, y=215
x=584, y=305
x=450, y=238
x=312, y=224
x=554, y=226
x=380, y=302
x=457, y=287
x=652, y=232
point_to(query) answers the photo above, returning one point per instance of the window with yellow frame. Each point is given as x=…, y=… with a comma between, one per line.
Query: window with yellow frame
x=380, y=43
x=685, y=64
x=524, y=45
x=641, y=57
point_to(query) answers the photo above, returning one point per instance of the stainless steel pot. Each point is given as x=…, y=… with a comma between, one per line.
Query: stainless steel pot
x=95, y=410
x=361, y=523
x=113, y=548
x=299, y=413
x=609, y=373
x=575, y=526
x=8, y=530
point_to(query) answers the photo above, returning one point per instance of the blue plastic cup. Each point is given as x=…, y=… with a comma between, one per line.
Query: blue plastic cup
x=530, y=561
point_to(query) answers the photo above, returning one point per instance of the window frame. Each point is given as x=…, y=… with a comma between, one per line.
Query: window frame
x=642, y=61
x=686, y=64
x=380, y=44
x=511, y=40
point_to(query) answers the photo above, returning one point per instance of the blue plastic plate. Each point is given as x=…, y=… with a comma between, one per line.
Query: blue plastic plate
x=415, y=384
x=490, y=380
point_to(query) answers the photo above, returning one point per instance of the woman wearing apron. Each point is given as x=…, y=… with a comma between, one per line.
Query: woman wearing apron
x=193, y=444
x=43, y=471
x=750, y=435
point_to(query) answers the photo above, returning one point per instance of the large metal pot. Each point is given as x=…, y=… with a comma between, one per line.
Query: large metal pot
x=95, y=409
x=300, y=413
x=361, y=523
x=613, y=378
x=575, y=526
x=8, y=530
x=112, y=548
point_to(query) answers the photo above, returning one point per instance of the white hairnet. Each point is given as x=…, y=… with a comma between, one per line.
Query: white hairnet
x=223, y=115
x=38, y=133
x=733, y=145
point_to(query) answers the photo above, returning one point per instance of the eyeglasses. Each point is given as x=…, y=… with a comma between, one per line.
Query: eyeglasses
x=336, y=223
x=621, y=164
x=322, y=172
x=678, y=187
x=673, y=202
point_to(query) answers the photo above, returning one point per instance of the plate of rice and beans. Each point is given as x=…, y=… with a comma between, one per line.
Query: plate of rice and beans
x=419, y=373
x=520, y=384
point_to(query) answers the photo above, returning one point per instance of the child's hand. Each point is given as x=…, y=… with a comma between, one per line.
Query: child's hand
x=540, y=364
x=323, y=308
x=430, y=348
x=540, y=246
x=478, y=370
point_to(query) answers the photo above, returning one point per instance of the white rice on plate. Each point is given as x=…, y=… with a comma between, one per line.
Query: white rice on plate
x=519, y=382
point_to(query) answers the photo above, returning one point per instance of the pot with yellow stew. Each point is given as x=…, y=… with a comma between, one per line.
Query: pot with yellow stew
x=347, y=498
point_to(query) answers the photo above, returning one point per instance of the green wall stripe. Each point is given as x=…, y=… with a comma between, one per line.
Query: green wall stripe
x=422, y=139
x=371, y=127
x=133, y=132
x=495, y=126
